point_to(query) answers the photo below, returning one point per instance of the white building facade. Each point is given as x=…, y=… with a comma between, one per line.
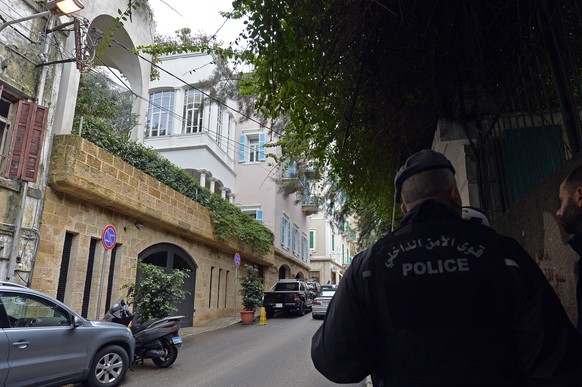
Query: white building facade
x=227, y=153
x=193, y=131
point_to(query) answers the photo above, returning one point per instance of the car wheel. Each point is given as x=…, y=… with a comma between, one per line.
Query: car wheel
x=108, y=367
x=170, y=355
x=301, y=310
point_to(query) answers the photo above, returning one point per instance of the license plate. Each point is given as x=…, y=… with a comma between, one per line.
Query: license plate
x=177, y=340
x=278, y=305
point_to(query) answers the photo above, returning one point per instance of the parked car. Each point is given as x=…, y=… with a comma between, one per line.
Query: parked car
x=321, y=302
x=329, y=286
x=288, y=295
x=44, y=342
x=314, y=287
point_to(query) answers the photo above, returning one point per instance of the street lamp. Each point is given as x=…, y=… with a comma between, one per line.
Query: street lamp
x=55, y=7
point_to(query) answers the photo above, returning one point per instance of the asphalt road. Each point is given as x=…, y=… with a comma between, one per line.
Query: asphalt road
x=276, y=354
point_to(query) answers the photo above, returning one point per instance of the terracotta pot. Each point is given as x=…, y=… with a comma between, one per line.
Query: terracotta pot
x=247, y=316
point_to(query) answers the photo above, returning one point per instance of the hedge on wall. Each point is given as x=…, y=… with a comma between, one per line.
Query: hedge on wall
x=227, y=219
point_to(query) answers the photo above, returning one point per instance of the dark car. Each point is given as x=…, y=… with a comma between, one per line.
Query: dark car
x=44, y=342
x=321, y=302
x=288, y=295
x=314, y=287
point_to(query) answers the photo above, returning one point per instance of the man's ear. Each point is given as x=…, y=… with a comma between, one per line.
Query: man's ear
x=403, y=208
x=577, y=197
x=455, y=197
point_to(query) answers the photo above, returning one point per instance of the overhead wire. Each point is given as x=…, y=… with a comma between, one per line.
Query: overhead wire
x=60, y=49
x=204, y=129
x=270, y=128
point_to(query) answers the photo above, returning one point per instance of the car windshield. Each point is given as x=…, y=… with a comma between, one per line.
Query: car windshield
x=326, y=293
x=286, y=286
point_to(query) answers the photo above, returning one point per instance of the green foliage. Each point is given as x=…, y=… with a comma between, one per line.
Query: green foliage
x=156, y=291
x=228, y=220
x=103, y=104
x=364, y=83
x=251, y=288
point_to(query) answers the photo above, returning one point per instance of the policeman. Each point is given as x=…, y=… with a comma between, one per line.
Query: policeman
x=570, y=214
x=445, y=302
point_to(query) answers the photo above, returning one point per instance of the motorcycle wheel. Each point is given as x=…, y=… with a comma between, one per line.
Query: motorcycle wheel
x=170, y=355
x=108, y=368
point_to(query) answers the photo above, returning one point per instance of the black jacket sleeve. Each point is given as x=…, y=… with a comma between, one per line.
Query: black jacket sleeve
x=342, y=348
x=548, y=345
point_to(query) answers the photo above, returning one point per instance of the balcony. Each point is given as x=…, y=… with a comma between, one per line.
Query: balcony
x=310, y=205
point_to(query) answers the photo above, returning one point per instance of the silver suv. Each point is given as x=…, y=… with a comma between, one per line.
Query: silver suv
x=44, y=342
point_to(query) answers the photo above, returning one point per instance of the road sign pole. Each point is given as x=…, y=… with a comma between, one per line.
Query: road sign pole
x=236, y=265
x=109, y=239
x=97, y=317
x=235, y=282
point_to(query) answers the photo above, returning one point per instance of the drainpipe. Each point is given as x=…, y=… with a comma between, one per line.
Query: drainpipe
x=15, y=246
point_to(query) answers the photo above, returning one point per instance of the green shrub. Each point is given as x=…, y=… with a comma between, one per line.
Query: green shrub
x=156, y=291
x=227, y=219
x=251, y=288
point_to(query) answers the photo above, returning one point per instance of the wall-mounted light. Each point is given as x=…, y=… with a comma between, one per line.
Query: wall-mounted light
x=139, y=226
x=55, y=7
x=65, y=7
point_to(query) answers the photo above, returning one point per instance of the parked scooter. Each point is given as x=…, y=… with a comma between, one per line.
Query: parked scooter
x=157, y=339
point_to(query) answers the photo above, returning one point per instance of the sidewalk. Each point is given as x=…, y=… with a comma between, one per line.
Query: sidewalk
x=209, y=326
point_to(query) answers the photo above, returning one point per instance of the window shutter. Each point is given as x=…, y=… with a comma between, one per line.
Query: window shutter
x=282, y=230
x=27, y=139
x=260, y=216
x=241, y=148
x=262, y=139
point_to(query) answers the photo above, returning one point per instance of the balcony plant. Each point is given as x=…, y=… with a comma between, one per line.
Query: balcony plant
x=251, y=292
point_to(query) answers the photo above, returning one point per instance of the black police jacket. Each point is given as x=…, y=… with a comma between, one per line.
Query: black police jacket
x=576, y=243
x=444, y=301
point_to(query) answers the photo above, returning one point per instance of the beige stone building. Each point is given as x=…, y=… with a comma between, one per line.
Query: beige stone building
x=88, y=189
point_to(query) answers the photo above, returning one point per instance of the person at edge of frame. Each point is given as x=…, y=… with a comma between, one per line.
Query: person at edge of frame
x=445, y=302
x=570, y=215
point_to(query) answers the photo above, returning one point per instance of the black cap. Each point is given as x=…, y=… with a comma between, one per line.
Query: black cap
x=424, y=160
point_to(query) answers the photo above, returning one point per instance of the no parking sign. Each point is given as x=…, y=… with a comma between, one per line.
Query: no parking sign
x=109, y=237
x=237, y=259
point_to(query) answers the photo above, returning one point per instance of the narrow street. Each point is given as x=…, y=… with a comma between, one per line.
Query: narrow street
x=276, y=354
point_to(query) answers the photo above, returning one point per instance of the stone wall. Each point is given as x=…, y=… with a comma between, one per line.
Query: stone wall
x=88, y=189
x=533, y=222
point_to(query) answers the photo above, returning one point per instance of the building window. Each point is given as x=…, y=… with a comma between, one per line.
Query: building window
x=285, y=231
x=219, y=117
x=304, y=248
x=255, y=212
x=22, y=126
x=252, y=148
x=160, y=113
x=193, y=109
x=230, y=132
x=332, y=242
x=312, y=240
x=295, y=240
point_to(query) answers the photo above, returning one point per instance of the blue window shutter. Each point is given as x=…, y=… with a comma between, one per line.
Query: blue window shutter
x=241, y=148
x=282, y=230
x=262, y=139
x=260, y=216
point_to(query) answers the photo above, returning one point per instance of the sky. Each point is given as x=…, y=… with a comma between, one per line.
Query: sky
x=199, y=15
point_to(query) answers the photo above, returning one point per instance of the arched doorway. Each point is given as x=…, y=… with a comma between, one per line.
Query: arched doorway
x=173, y=257
x=282, y=272
x=300, y=276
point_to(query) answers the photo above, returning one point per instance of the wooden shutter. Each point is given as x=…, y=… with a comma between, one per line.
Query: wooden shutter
x=27, y=139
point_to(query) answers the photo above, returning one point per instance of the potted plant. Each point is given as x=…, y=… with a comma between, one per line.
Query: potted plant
x=251, y=292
